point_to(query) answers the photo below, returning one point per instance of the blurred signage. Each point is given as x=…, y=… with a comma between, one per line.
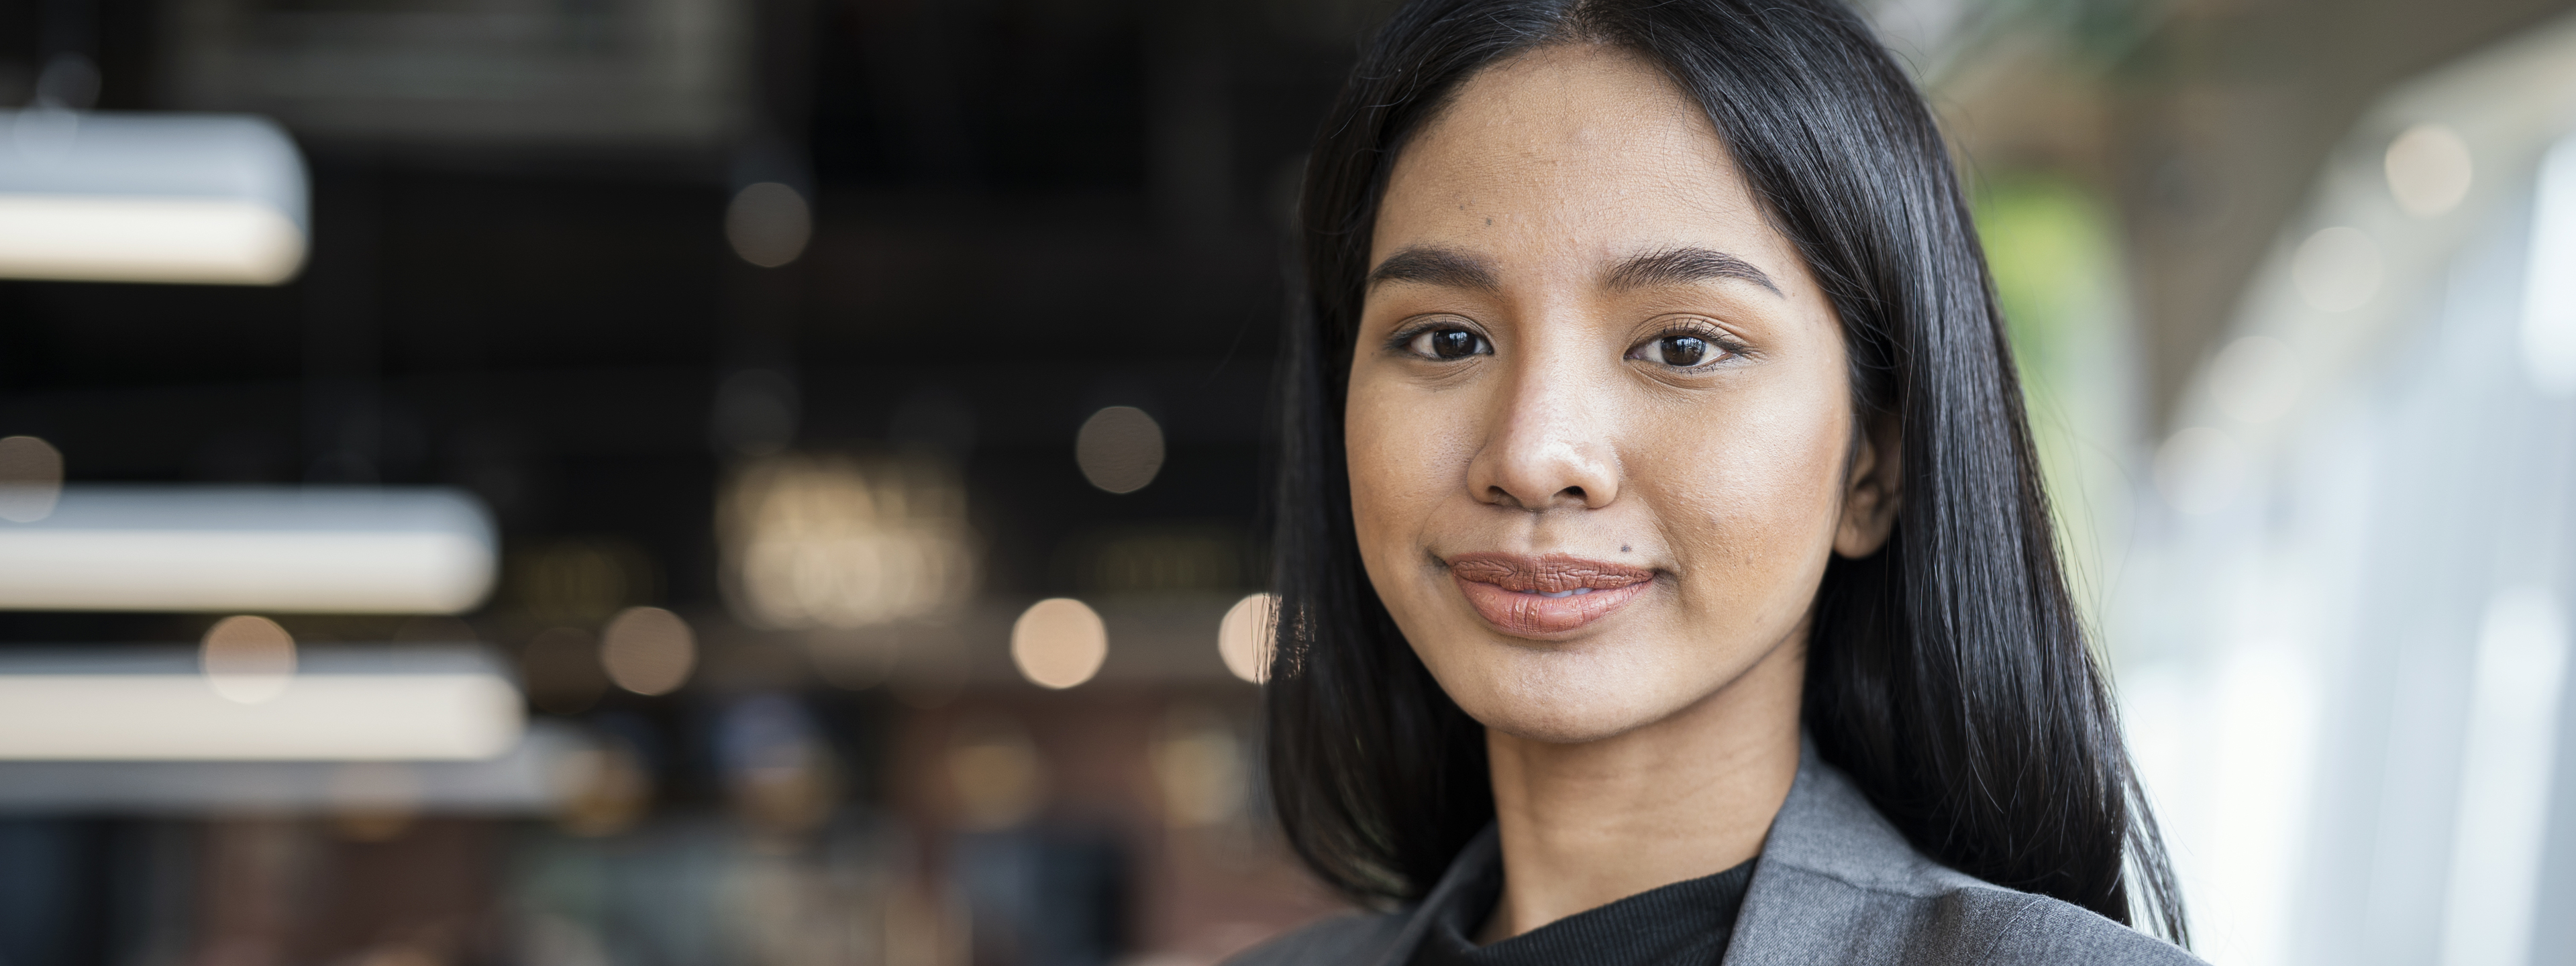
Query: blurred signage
x=826, y=541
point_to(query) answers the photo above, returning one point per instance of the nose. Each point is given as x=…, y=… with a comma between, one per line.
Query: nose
x=1551, y=447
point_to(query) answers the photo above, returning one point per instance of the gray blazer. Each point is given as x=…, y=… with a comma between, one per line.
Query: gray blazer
x=1836, y=884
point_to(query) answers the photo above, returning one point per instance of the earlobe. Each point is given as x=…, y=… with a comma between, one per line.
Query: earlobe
x=1872, y=491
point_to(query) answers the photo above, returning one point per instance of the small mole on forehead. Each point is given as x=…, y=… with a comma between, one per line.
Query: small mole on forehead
x=1623, y=548
x=1489, y=223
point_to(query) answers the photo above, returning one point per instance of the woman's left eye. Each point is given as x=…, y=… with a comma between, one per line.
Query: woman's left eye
x=1679, y=350
x=1448, y=344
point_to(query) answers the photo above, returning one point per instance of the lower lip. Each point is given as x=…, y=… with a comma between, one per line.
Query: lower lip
x=1537, y=615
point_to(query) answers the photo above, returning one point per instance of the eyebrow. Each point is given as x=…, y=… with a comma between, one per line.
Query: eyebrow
x=1682, y=266
x=1436, y=266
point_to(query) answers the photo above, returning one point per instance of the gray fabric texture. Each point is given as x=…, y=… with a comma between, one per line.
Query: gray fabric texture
x=1836, y=884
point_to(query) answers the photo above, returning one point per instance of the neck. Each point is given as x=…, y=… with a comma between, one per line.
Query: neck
x=1584, y=825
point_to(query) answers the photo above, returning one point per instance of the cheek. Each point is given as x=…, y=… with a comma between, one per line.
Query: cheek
x=1377, y=477
x=1751, y=503
x=1395, y=447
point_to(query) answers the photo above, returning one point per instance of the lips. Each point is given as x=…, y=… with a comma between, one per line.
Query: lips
x=1540, y=596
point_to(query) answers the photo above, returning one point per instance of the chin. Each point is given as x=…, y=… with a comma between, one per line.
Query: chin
x=1564, y=695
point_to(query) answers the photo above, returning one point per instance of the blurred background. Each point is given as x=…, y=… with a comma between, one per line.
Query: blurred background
x=589, y=482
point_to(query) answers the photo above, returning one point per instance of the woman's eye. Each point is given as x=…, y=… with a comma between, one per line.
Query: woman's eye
x=1447, y=344
x=1679, y=351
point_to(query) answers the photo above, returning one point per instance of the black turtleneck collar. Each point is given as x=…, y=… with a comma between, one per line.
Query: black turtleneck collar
x=1685, y=922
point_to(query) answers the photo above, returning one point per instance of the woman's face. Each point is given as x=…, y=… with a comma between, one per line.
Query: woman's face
x=1600, y=427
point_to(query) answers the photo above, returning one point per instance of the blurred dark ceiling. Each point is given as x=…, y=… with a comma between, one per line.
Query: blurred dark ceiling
x=1026, y=210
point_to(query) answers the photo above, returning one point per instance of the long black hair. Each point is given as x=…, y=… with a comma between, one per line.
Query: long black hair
x=1947, y=673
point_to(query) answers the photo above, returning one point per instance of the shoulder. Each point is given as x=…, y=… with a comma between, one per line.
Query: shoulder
x=2045, y=930
x=1805, y=915
x=1837, y=883
x=1349, y=938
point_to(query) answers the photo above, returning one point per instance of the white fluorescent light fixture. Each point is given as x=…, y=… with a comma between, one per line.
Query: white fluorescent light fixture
x=528, y=779
x=425, y=703
x=343, y=550
x=142, y=197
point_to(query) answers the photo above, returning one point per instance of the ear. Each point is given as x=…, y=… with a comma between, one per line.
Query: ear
x=1872, y=488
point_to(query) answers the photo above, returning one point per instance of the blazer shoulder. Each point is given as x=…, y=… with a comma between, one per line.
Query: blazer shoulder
x=2046, y=930
x=1346, y=938
x=1838, y=883
x=1935, y=920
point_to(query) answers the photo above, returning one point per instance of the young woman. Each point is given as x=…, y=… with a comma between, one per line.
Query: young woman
x=1665, y=571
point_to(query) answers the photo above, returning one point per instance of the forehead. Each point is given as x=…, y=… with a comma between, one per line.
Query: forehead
x=1571, y=150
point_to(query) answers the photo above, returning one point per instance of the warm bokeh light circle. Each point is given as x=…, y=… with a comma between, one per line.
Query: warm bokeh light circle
x=648, y=650
x=1245, y=637
x=1059, y=642
x=247, y=658
x=1120, y=449
x=31, y=478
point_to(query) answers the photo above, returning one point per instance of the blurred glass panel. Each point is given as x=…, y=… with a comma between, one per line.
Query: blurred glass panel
x=2343, y=643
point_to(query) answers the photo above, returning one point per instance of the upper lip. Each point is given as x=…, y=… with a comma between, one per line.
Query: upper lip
x=1553, y=574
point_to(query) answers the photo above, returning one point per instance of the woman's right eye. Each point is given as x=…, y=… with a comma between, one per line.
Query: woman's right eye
x=1448, y=344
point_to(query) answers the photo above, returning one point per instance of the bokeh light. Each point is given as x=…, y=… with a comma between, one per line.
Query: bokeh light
x=1120, y=449
x=648, y=650
x=31, y=478
x=2429, y=170
x=768, y=224
x=1246, y=636
x=1059, y=642
x=248, y=659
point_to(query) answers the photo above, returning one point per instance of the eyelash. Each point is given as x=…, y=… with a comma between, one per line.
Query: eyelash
x=1402, y=340
x=1728, y=346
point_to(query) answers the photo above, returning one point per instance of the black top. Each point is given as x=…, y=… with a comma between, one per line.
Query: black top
x=1685, y=922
